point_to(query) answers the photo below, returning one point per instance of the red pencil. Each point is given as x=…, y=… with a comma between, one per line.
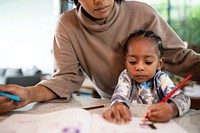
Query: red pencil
x=173, y=91
x=177, y=87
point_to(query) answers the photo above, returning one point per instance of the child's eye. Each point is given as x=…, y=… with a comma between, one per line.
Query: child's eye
x=148, y=62
x=132, y=62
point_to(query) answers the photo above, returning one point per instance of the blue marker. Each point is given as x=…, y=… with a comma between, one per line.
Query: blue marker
x=13, y=97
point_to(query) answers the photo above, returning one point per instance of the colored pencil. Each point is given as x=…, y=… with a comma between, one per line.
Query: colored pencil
x=177, y=88
x=13, y=97
x=94, y=107
x=173, y=91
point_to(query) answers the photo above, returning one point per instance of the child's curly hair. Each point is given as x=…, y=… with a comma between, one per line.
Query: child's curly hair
x=149, y=34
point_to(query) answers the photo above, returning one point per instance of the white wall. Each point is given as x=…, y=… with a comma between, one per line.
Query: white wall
x=26, y=34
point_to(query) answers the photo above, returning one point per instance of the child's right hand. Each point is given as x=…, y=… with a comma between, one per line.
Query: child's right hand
x=162, y=112
x=118, y=113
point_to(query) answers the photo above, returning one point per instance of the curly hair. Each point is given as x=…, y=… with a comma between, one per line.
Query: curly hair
x=149, y=34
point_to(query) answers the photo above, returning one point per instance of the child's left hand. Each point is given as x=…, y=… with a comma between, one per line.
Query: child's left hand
x=118, y=113
x=162, y=112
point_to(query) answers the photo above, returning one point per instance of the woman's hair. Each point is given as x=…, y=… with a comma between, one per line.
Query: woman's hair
x=148, y=34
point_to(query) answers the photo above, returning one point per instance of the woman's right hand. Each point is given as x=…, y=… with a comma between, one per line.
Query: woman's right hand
x=6, y=104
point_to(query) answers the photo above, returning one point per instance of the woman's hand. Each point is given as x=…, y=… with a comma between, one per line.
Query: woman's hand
x=118, y=113
x=29, y=94
x=162, y=112
x=6, y=104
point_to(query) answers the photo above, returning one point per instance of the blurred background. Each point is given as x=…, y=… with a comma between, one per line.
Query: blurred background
x=27, y=30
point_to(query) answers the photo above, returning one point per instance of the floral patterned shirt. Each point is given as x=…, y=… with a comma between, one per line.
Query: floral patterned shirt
x=150, y=92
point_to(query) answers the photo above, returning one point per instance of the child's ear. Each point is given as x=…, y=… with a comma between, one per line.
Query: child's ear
x=161, y=63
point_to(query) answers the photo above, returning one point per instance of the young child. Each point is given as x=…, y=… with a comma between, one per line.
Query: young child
x=144, y=82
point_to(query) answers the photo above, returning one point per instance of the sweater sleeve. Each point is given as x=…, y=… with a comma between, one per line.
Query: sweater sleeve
x=68, y=76
x=122, y=90
x=179, y=98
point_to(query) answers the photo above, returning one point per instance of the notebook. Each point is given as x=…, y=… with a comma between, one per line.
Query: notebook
x=76, y=120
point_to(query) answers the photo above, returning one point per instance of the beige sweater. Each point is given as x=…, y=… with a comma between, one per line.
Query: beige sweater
x=96, y=47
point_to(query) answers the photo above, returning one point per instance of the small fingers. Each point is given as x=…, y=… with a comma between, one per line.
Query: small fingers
x=108, y=115
x=126, y=115
x=159, y=113
x=117, y=116
x=118, y=113
x=121, y=113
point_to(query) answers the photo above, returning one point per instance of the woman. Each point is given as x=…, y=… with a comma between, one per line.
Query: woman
x=90, y=38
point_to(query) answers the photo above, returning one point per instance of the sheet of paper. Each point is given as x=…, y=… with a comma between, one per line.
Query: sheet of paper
x=99, y=125
x=78, y=121
x=66, y=121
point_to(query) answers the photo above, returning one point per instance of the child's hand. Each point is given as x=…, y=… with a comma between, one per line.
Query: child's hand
x=118, y=112
x=162, y=112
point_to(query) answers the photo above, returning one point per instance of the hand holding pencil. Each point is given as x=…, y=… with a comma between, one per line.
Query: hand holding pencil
x=12, y=97
x=165, y=110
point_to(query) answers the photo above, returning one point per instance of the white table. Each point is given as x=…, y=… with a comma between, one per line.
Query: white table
x=190, y=121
